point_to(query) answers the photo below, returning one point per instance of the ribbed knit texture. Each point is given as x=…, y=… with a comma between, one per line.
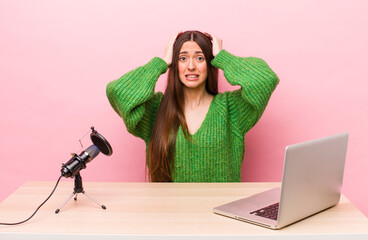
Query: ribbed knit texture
x=217, y=149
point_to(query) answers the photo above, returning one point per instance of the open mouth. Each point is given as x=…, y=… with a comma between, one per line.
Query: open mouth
x=192, y=77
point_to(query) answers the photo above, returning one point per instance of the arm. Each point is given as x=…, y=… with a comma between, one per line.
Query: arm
x=133, y=98
x=257, y=82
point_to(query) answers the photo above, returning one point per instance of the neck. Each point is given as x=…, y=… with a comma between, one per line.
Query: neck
x=196, y=97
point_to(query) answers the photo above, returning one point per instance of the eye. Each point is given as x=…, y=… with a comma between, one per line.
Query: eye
x=182, y=58
x=200, y=58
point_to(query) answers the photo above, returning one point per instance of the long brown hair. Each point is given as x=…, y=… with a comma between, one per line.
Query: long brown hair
x=170, y=114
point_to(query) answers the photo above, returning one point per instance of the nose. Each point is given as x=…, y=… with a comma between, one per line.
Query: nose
x=191, y=65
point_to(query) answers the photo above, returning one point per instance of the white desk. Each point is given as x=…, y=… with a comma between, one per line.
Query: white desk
x=160, y=211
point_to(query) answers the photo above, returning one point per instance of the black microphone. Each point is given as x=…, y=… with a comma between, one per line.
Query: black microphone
x=79, y=162
x=74, y=165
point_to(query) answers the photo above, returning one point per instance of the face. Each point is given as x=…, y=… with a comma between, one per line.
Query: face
x=192, y=65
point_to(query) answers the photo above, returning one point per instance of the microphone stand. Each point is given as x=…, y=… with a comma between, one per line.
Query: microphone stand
x=78, y=188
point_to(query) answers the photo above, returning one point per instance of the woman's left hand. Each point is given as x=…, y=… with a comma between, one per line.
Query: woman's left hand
x=216, y=44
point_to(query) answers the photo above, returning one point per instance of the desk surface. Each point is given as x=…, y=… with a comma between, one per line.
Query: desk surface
x=159, y=209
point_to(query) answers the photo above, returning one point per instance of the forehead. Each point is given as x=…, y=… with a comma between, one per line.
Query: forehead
x=190, y=47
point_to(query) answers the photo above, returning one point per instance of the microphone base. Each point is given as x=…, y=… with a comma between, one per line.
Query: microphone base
x=78, y=188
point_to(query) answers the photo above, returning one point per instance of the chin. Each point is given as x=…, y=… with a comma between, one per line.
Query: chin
x=194, y=86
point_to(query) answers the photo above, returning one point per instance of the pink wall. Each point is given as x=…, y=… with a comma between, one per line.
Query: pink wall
x=56, y=58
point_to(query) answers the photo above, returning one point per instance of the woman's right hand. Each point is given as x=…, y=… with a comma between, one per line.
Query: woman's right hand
x=169, y=49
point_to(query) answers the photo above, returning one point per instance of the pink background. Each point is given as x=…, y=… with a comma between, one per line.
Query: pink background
x=56, y=58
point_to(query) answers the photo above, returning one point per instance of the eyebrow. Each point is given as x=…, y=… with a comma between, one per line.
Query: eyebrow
x=196, y=52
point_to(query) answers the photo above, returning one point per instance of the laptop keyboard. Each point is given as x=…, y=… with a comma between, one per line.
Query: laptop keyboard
x=268, y=212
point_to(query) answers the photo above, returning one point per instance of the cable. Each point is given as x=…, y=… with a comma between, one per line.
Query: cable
x=57, y=183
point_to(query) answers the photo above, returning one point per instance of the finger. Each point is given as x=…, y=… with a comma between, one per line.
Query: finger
x=212, y=36
x=172, y=39
x=169, y=48
x=174, y=36
x=208, y=35
x=217, y=40
x=217, y=44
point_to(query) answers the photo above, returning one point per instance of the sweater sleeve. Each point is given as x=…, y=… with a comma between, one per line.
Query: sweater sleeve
x=132, y=97
x=257, y=82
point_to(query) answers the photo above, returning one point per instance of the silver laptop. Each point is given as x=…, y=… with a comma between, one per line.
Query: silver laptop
x=312, y=180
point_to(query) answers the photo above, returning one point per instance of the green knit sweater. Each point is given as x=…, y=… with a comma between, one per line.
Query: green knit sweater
x=217, y=149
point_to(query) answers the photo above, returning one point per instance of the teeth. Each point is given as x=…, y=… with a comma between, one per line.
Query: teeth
x=192, y=75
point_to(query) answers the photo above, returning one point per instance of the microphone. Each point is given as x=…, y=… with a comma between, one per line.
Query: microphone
x=74, y=165
x=79, y=162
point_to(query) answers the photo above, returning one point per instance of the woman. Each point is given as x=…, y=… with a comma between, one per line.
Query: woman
x=192, y=132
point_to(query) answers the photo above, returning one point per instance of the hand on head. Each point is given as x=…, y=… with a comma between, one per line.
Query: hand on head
x=169, y=49
x=216, y=46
